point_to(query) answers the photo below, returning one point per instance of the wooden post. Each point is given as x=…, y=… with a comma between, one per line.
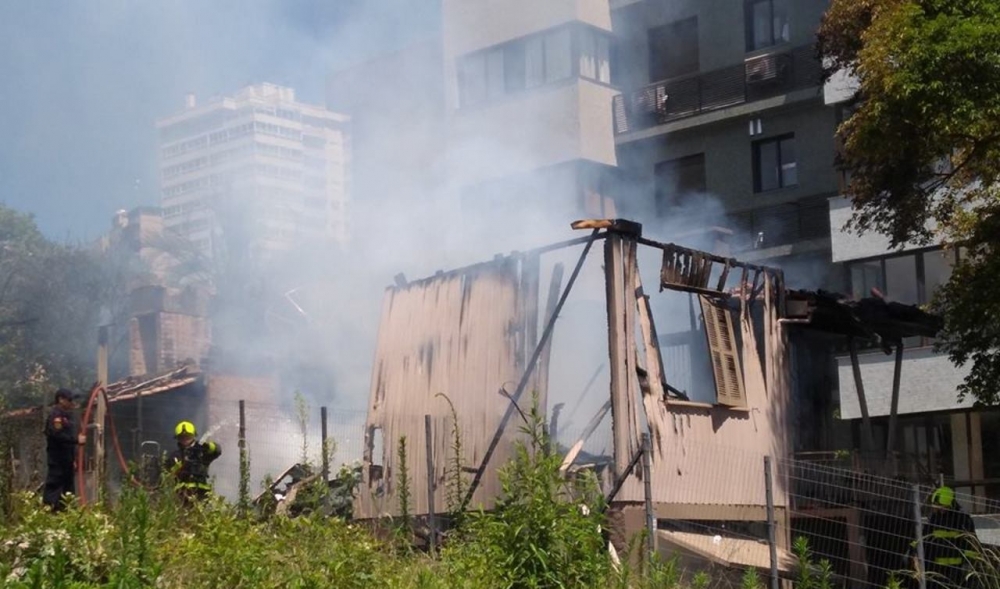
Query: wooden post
x=918, y=525
x=617, y=348
x=100, y=417
x=772, y=542
x=244, y=489
x=323, y=441
x=647, y=487
x=429, y=452
x=542, y=378
x=868, y=439
x=894, y=409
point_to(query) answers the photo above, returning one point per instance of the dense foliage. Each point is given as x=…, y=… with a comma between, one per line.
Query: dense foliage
x=51, y=300
x=923, y=148
x=545, y=533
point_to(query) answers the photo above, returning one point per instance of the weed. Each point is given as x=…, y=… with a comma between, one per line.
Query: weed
x=404, y=485
x=454, y=475
x=302, y=416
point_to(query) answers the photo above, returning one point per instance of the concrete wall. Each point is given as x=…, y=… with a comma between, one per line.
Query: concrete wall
x=469, y=26
x=851, y=246
x=929, y=382
x=729, y=156
x=721, y=32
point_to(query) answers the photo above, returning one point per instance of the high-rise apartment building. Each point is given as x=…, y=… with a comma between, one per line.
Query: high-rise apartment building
x=257, y=170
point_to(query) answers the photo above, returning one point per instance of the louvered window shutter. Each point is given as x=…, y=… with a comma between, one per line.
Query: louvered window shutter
x=723, y=353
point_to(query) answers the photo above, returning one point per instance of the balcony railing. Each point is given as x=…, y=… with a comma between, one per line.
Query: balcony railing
x=755, y=79
x=782, y=224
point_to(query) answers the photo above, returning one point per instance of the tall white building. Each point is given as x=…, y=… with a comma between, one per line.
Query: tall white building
x=257, y=170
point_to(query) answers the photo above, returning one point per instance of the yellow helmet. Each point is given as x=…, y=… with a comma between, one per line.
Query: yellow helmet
x=185, y=428
x=943, y=496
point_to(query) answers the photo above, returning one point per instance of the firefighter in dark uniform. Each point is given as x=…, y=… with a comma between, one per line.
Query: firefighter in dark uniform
x=62, y=440
x=949, y=541
x=189, y=463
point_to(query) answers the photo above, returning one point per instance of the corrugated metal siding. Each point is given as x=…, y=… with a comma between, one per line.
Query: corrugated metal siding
x=460, y=334
x=714, y=455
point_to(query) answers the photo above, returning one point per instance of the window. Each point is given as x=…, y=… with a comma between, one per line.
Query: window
x=911, y=279
x=901, y=280
x=766, y=23
x=774, y=164
x=595, y=56
x=472, y=79
x=864, y=277
x=938, y=266
x=558, y=56
x=673, y=49
x=515, y=70
x=528, y=63
x=676, y=178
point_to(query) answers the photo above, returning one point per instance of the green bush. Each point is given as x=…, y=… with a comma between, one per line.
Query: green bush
x=545, y=531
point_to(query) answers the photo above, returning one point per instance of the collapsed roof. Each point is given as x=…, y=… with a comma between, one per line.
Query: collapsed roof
x=872, y=318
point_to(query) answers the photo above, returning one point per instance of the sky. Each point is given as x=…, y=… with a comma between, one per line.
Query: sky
x=83, y=82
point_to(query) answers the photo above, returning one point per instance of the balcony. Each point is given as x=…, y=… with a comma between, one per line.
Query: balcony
x=782, y=224
x=755, y=79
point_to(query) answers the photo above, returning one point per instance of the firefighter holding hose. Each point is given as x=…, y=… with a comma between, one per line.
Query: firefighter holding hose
x=61, y=441
x=949, y=542
x=189, y=463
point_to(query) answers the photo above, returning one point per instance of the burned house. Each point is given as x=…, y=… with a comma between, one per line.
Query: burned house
x=481, y=337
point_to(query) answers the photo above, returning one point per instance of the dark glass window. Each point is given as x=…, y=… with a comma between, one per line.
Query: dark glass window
x=774, y=163
x=673, y=49
x=677, y=178
x=767, y=23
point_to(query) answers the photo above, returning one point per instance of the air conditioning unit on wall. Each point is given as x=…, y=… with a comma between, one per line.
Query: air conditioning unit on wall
x=768, y=69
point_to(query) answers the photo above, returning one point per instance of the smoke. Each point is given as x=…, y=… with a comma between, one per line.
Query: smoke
x=430, y=189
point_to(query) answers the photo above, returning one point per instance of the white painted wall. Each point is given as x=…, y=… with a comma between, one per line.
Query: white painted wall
x=929, y=382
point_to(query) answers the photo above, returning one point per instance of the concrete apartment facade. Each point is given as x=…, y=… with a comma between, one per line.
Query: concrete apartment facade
x=260, y=162
x=942, y=434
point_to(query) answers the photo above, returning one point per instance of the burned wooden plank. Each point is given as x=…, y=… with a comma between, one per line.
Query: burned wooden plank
x=542, y=381
x=614, y=269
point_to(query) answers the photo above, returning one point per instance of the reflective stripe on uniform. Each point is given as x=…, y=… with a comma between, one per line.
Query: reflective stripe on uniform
x=949, y=560
x=204, y=486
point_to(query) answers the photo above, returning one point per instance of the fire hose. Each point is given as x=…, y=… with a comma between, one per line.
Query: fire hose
x=97, y=389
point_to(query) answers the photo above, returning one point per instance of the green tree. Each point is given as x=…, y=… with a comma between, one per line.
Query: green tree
x=923, y=148
x=51, y=300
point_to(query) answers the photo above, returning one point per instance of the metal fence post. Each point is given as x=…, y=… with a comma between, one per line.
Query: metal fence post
x=428, y=450
x=647, y=484
x=244, y=489
x=324, y=450
x=918, y=525
x=772, y=542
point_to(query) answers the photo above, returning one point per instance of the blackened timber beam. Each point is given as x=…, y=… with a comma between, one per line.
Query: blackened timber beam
x=530, y=369
x=713, y=257
x=588, y=431
x=542, y=382
x=868, y=439
x=894, y=408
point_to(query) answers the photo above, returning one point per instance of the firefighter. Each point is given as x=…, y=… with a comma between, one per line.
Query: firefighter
x=61, y=442
x=949, y=541
x=189, y=463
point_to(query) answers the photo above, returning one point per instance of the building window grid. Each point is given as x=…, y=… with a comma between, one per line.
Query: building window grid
x=767, y=23
x=530, y=62
x=874, y=273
